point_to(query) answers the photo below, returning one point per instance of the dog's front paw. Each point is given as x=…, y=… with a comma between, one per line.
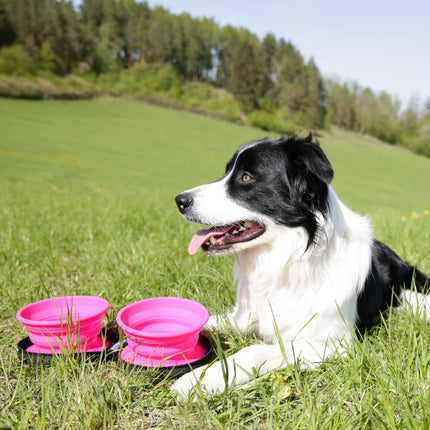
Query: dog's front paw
x=211, y=382
x=184, y=386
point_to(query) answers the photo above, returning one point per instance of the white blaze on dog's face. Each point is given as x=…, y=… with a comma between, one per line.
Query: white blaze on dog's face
x=267, y=183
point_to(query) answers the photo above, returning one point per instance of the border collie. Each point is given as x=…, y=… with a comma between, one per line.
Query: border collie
x=307, y=271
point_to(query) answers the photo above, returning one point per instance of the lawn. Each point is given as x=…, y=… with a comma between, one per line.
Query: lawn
x=87, y=207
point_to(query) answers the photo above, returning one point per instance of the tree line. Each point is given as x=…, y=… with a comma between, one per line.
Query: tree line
x=269, y=78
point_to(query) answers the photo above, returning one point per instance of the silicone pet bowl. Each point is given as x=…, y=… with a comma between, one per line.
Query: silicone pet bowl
x=163, y=331
x=72, y=322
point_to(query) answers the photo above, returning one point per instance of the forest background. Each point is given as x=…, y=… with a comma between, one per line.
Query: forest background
x=51, y=49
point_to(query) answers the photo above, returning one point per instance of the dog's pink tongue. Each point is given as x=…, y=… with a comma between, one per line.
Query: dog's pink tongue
x=202, y=236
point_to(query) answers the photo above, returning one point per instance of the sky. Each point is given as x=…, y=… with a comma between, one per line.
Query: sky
x=381, y=44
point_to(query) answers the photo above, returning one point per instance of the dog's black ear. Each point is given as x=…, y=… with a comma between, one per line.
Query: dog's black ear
x=311, y=158
x=309, y=172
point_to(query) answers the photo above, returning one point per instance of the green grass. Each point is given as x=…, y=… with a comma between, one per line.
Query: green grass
x=86, y=207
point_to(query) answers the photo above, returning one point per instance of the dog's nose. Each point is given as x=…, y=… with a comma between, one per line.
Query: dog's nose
x=183, y=201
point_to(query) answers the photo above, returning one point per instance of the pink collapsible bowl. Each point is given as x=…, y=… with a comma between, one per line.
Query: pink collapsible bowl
x=162, y=331
x=71, y=322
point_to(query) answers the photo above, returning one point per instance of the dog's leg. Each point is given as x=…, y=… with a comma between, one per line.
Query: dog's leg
x=217, y=322
x=241, y=367
x=417, y=302
x=230, y=320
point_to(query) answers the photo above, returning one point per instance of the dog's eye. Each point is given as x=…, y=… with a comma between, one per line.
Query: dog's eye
x=245, y=177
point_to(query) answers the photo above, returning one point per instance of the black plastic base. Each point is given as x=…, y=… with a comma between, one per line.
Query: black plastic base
x=174, y=371
x=34, y=357
x=112, y=352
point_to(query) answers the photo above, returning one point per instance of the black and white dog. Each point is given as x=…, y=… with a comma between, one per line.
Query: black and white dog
x=307, y=269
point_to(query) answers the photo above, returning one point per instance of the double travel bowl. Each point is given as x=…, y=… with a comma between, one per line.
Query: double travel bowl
x=161, y=332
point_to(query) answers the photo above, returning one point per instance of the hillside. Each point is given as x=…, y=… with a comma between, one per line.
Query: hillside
x=134, y=145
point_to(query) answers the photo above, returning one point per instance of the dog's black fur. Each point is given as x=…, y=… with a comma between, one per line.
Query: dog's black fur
x=389, y=274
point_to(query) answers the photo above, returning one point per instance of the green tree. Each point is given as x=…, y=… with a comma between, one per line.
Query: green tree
x=160, y=37
x=137, y=29
x=14, y=60
x=7, y=30
x=202, y=48
x=367, y=106
x=193, y=45
x=115, y=22
x=245, y=81
x=227, y=41
x=314, y=99
x=64, y=39
x=103, y=60
x=341, y=106
x=36, y=22
x=378, y=115
x=267, y=58
x=91, y=17
x=45, y=59
x=386, y=123
x=292, y=80
x=424, y=138
x=410, y=118
x=290, y=60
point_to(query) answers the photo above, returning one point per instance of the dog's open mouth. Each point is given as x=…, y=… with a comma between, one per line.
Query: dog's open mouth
x=221, y=238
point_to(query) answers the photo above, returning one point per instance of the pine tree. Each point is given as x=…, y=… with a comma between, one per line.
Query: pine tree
x=314, y=101
x=160, y=37
x=246, y=75
x=228, y=40
x=7, y=30
x=267, y=56
x=91, y=17
x=341, y=106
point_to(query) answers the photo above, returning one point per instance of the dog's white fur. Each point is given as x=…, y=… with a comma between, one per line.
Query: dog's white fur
x=307, y=297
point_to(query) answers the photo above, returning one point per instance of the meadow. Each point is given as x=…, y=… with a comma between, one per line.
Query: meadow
x=87, y=207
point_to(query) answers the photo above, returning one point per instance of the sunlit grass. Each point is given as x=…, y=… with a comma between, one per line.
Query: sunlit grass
x=86, y=207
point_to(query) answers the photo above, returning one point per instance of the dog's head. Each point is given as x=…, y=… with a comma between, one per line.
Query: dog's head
x=267, y=183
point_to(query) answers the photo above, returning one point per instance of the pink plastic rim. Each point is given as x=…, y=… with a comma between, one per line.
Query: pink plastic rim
x=64, y=322
x=161, y=327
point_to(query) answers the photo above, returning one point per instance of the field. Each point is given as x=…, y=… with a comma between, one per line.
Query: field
x=87, y=207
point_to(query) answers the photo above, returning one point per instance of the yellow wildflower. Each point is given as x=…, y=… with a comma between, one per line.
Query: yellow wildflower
x=426, y=212
x=279, y=378
x=415, y=215
x=285, y=392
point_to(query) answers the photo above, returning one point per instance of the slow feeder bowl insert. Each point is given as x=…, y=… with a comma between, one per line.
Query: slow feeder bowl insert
x=163, y=331
x=70, y=322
